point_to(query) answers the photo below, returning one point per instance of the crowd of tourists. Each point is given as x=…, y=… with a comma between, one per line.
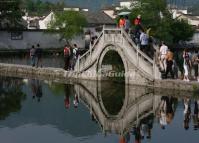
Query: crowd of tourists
x=169, y=65
x=166, y=60
x=139, y=35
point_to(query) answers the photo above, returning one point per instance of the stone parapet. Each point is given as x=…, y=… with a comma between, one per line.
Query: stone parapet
x=58, y=74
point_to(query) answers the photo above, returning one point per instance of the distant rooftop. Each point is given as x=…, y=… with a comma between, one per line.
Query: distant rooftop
x=98, y=18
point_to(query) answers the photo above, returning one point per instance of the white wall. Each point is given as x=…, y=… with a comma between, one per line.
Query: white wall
x=126, y=4
x=32, y=38
x=43, y=24
x=195, y=38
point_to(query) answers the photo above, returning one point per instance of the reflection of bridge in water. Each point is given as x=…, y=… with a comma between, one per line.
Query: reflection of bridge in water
x=137, y=104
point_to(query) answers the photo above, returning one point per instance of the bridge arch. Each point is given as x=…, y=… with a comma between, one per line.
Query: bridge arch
x=116, y=48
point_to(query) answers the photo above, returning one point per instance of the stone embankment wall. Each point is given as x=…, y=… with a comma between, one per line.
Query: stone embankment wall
x=9, y=40
x=58, y=74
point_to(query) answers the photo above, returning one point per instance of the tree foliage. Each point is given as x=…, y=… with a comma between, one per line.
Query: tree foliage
x=155, y=15
x=68, y=24
x=40, y=8
x=10, y=14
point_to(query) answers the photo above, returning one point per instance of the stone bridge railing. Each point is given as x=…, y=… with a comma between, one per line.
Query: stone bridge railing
x=120, y=37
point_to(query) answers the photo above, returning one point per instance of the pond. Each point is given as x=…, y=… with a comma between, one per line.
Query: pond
x=48, y=60
x=93, y=112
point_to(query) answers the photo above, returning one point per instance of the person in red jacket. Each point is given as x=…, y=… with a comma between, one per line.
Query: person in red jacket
x=121, y=22
x=67, y=54
x=137, y=22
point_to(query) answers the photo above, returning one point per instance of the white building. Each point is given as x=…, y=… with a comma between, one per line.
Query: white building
x=45, y=21
x=177, y=12
x=192, y=20
x=110, y=11
x=126, y=4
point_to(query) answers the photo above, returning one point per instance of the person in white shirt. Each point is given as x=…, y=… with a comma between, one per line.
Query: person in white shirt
x=163, y=53
x=144, y=41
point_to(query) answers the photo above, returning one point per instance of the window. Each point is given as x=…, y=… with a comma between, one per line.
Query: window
x=18, y=35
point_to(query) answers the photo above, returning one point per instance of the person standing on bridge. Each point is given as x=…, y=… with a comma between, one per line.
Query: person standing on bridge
x=127, y=24
x=163, y=53
x=195, y=60
x=66, y=57
x=137, y=23
x=144, y=41
x=169, y=61
x=32, y=55
x=186, y=65
x=74, y=55
x=38, y=54
x=121, y=22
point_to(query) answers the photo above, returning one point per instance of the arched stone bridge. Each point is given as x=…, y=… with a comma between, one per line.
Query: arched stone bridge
x=137, y=104
x=140, y=68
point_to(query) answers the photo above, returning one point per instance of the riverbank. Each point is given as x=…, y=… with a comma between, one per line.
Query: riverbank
x=58, y=74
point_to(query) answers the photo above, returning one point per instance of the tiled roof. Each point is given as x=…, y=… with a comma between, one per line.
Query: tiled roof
x=98, y=18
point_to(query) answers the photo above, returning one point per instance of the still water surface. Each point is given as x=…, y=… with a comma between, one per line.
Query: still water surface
x=88, y=112
x=51, y=60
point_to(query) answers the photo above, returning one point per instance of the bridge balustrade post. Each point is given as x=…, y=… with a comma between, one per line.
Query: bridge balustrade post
x=103, y=32
x=122, y=37
x=90, y=51
x=154, y=68
x=137, y=55
x=78, y=61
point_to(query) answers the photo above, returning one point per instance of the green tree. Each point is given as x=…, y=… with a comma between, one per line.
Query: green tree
x=181, y=31
x=40, y=8
x=68, y=24
x=10, y=14
x=156, y=15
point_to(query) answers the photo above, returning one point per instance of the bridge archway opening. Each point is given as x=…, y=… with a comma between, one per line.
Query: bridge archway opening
x=112, y=67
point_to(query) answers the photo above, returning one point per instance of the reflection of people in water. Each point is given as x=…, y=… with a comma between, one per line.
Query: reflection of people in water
x=122, y=139
x=163, y=107
x=76, y=101
x=196, y=115
x=33, y=88
x=146, y=125
x=67, y=97
x=166, y=110
x=137, y=135
x=187, y=113
x=36, y=89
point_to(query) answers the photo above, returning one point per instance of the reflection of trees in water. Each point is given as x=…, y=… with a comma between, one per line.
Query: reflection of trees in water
x=10, y=96
x=113, y=96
